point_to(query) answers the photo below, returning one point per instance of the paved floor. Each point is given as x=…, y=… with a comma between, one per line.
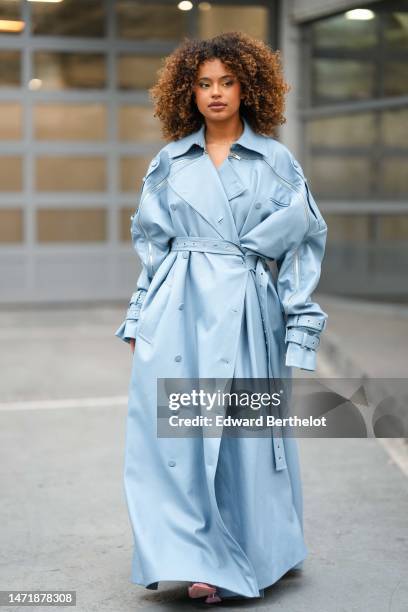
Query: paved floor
x=373, y=338
x=63, y=518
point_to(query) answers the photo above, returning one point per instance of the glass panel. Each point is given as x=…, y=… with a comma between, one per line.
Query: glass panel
x=396, y=29
x=124, y=224
x=10, y=68
x=10, y=121
x=65, y=70
x=394, y=177
x=132, y=170
x=137, y=72
x=395, y=127
x=356, y=129
x=337, y=79
x=70, y=173
x=11, y=173
x=393, y=227
x=396, y=78
x=213, y=20
x=10, y=17
x=11, y=225
x=145, y=20
x=338, y=31
x=69, y=18
x=138, y=123
x=70, y=121
x=71, y=225
x=348, y=228
x=340, y=177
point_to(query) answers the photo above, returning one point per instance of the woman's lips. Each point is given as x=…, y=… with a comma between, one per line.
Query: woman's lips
x=220, y=105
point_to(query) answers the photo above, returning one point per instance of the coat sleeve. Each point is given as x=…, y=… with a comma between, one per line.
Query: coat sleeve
x=151, y=232
x=298, y=275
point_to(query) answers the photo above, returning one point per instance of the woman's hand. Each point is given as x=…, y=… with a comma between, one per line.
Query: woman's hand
x=132, y=344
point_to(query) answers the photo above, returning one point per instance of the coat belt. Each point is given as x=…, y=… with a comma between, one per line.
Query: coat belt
x=212, y=245
x=258, y=264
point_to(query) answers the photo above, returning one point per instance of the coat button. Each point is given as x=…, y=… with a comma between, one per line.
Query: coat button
x=225, y=360
x=154, y=163
x=185, y=254
x=258, y=205
x=181, y=307
x=177, y=358
x=172, y=463
x=173, y=206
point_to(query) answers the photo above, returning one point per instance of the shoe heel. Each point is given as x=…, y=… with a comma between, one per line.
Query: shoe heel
x=213, y=599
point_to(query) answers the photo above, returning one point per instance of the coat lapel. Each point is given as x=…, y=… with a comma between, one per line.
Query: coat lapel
x=199, y=184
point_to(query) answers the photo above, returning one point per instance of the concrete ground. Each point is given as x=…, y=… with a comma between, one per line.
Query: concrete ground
x=64, y=523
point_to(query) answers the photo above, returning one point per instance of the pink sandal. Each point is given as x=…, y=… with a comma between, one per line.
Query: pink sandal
x=200, y=589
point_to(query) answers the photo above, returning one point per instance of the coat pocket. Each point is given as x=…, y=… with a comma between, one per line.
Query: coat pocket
x=151, y=315
x=281, y=203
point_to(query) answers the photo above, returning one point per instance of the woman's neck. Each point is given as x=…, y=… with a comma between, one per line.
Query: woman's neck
x=223, y=133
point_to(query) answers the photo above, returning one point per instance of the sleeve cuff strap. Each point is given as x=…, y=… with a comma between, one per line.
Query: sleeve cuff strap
x=305, y=320
x=303, y=338
x=137, y=297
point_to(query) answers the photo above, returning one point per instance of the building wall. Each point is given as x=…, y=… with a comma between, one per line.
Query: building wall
x=302, y=10
x=350, y=110
x=77, y=133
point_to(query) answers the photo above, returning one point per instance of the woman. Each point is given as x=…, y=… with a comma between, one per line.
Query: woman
x=219, y=201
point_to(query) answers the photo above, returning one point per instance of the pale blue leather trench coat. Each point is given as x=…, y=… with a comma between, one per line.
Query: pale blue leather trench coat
x=222, y=510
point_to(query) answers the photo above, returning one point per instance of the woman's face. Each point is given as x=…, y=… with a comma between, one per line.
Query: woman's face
x=217, y=91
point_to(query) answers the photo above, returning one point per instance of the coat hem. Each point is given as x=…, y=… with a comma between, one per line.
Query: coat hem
x=153, y=584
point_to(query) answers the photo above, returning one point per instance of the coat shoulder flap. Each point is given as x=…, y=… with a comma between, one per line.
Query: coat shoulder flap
x=157, y=170
x=284, y=163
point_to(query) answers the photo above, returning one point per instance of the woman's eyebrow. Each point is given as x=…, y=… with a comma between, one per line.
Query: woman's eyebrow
x=221, y=77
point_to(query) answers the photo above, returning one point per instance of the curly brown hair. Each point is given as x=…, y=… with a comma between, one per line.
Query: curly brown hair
x=255, y=65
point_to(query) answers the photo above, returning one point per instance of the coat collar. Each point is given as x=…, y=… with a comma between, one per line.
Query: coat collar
x=248, y=139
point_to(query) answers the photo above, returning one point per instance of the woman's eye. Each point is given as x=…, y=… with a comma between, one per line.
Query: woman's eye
x=205, y=85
